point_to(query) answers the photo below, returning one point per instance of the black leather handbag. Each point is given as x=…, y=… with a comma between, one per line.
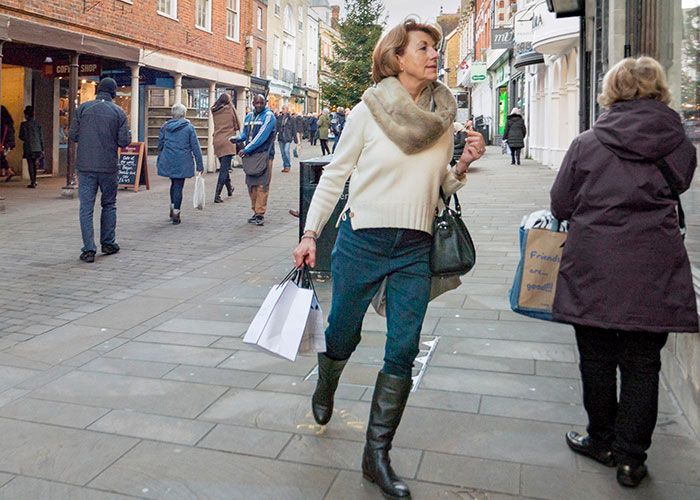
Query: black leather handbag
x=453, y=252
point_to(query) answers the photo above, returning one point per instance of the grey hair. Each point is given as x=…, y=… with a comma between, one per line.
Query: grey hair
x=326, y=110
x=179, y=110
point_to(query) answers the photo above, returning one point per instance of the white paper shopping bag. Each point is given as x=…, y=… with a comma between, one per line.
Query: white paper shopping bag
x=284, y=318
x=314, y=339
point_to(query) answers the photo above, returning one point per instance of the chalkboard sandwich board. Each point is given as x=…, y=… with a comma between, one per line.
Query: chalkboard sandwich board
x=133, y=166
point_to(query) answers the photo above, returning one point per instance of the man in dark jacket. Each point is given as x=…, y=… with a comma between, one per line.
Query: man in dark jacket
x=33, y=143
x=100, y=128
x=286, y=134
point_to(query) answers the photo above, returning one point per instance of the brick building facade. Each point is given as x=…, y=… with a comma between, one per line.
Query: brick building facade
x=175, y=50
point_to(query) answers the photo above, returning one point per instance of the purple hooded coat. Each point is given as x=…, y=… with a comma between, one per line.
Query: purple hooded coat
x=624, y=265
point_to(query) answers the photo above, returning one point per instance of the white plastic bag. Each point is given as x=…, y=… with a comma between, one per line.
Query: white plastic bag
x=199, y=197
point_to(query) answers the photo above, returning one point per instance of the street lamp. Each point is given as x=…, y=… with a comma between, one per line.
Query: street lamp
x=566, y=8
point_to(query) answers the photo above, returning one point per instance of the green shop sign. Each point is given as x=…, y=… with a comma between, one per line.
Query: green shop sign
x=478, y=71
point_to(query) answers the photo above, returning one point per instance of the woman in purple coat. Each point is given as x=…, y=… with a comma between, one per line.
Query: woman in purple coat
x=625, y=279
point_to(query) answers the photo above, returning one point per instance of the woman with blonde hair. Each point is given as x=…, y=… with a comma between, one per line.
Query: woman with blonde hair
x=397, y=144
x=625, y=281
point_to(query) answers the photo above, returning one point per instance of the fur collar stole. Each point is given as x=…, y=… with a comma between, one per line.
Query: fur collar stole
x=412, y=126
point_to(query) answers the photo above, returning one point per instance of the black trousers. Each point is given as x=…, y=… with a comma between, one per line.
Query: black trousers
x=325, y=150
x=625, y=424
x=515, y=155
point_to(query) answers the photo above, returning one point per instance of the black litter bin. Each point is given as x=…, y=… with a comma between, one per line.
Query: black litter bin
x=310, y=172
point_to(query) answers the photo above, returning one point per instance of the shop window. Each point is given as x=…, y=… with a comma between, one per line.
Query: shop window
x=260, y=19
x=203, y=14
x=168, y=8
x=258, y=62
x=233, y=19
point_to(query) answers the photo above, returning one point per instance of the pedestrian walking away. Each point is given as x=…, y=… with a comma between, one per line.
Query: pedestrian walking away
x=7, y=142
x=286, y=134
x=613, y=191
x=33, y=144
x=398, y=150
x=100, y=128
x=256, y=145
x=178, y=153
x=226, y=124
x=337, y=125
x=514, y=134
x=313, y=129
x=324, y=123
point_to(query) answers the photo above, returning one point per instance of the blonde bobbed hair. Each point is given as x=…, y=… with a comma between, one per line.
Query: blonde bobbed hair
x=633, y=79
x=384, y=58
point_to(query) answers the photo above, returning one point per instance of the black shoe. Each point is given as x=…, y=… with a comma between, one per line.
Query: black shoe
x=176, y=218
x=582, y=445
x=172, y=212
x=218, y=199
x=259, y=220
x=88, y=256
x=388, y=402
x=110, y=248
x=329, y=371
x=630, y=476
x=229, y=187
x=31, y=186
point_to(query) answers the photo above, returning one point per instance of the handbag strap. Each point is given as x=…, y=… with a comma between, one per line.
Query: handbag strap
x=446, y=201
x=666, y=172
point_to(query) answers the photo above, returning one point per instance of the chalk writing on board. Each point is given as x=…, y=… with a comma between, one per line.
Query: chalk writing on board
x=128, y=166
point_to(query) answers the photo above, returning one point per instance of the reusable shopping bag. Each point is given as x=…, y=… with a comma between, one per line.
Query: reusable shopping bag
x=199, y=196
x=535, y=282
x=281, y=321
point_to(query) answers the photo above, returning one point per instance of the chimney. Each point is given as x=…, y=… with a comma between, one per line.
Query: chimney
x=335, y=16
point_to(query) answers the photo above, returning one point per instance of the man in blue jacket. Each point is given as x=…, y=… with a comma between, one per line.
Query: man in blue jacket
x=258, y=139
x=99, y=127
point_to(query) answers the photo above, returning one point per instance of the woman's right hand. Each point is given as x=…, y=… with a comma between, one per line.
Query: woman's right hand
x=305, y=253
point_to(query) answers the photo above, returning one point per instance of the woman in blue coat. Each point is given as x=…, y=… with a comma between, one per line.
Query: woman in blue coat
x=178, y=150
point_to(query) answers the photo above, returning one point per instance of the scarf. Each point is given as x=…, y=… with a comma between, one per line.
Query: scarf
x=412, y=126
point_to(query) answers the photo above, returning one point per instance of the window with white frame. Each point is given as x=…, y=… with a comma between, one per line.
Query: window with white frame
x=258, y=62
x=301, y=18
x=276, y=53
x=278, y=9
x=203, y=14
x=233, y=20
x=289, y=20
x=168, y=8
x=260, y=19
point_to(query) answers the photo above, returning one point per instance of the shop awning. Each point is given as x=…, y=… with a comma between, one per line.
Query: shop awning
x=528, y=59
x=21, y=30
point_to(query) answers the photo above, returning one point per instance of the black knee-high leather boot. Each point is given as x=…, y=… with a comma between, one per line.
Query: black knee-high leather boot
x=229, y=187
x=217, y=195
x=329, y=371
x=389, y=400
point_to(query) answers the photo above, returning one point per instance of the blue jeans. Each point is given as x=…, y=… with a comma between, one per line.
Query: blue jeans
x=335, y=142
x=176, y=186
x=284, y=149
x=360, y=261
x=224, y=167
x=89, y=182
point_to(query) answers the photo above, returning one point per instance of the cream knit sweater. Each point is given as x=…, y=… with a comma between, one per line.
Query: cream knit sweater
x=388, y=188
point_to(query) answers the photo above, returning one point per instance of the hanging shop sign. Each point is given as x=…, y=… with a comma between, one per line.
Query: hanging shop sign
x=502, y=38
x=478, y=71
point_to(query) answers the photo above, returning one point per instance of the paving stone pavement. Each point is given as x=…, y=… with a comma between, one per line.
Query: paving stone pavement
x=128, y=378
